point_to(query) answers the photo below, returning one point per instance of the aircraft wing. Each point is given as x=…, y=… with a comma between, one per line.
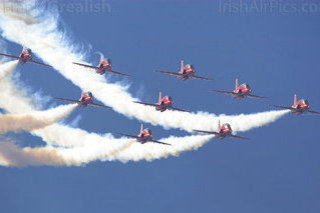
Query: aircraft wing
x=145, y=103
x=97, y=68
x=281, y=107
x=99, y=105
x=153, y=141
x=69, y=100
x=85, y=65
x=313, y=112
x=207, y=132
x=181, y=110
x=223, y=92
x=117, y=73
x=130, y=136
x=169, y=73
x=201, y=78
x=240, y=137
x=255, y=96
x=35, y=62
x=10, y=56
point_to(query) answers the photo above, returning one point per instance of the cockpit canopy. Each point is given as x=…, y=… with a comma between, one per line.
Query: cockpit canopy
x=108, y=60
x=245, y=86
x=168, y=98
x=148, y=131
x=304, y=101
x=189, y=66
x=90, y=94
x=227, y=126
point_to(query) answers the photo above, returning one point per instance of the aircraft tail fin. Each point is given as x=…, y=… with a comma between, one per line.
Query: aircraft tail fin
x=237, y=85
x=101, y=58
x=182, y=66
x=160, y=97
x=295, y=99
x=141, y=129
x=219, y=124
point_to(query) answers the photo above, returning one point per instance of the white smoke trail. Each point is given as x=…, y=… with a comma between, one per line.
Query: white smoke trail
x=34, y=120
x=87, y=147
x=44, y=38
x=10, y=66
x=150, y=152
x=16, y=99
x=12, y=155
x=18, y=102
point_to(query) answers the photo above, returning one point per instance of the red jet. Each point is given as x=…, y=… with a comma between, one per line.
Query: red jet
x=240, y=92
x=185, y=72
x=104, y=66
x=85, y=100
x=144, y=136
x=298, y=107
x=163, y=104
x=25, y=56
x=222, y=132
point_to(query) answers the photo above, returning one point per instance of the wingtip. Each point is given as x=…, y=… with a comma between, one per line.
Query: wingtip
x=163, y=143
x=125, y=75
x=47, y=65
x=245, y=138
x=117, y=133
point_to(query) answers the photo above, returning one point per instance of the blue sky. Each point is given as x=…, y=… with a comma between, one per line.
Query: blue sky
x=276, y=171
